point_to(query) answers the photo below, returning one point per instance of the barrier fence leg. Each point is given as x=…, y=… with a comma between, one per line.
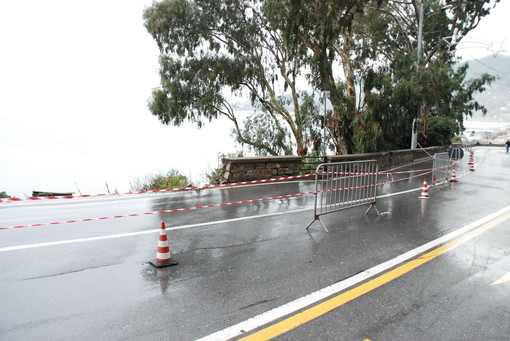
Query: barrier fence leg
x=372, y=205
x=317, y=218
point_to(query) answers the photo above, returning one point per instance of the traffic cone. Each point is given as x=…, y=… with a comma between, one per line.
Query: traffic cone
x=163, y=256
x=454, y=176
x=424, y=190
x=471, y=164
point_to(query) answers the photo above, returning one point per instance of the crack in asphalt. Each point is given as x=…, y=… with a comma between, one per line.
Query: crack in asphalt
x=228, y=246
x=70, y=272
x=259, y=302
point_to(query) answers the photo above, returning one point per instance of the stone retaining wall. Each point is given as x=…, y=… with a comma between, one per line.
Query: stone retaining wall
x=259, y=168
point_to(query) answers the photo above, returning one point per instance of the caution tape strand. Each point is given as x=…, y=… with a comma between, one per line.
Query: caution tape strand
x=189, y=188
x=286, y=196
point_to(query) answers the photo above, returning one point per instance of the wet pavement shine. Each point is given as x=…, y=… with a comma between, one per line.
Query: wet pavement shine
x=241, y=264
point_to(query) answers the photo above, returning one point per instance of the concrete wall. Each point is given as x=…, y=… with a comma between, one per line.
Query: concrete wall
x=259, y=168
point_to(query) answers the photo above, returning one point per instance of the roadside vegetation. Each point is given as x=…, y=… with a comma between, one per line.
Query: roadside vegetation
x=169, y=180
x=4, y=195
x=214, y=176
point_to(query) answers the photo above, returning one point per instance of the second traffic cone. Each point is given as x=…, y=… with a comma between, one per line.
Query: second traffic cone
x=471, y=164
x=163, y=256
x=454, y=176
x=424, y=190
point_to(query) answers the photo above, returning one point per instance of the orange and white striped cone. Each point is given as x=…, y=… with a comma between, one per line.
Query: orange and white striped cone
x=424, y=190
x=454, y=176
x=163, y=256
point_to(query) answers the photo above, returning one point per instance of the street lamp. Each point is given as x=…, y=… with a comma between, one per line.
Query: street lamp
x=326, y=95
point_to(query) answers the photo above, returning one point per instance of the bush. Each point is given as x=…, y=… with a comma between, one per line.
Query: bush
x=441, y=131
x=172, y=179
x=456, y=139
x=4, y=195
x=215, y=175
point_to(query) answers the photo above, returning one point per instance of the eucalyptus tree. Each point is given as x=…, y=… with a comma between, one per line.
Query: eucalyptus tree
x=214, y=51
x=397, y=59
x=321, y=32
x=417, y=73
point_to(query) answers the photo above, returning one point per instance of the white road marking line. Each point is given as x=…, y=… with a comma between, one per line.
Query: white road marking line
x=305, y=301
x=131, y=234
x=502, y=280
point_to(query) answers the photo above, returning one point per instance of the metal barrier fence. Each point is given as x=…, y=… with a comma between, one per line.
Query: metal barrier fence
x=440, y=168
x=444, y=163
x=456, y=155
x=343, y=185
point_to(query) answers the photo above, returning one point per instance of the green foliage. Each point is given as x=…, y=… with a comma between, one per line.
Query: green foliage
x=311, y=118
x=441, y=131
x=400, y=86
x=214, y=177
x=385, y=121
x=260, y=129
x=456, y=139
x=4, y=195
x=209, y=48
x=212, y=50
x=320, y=32
x=169, y=180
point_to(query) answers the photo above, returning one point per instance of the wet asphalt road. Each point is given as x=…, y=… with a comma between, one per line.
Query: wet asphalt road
x=91, y=280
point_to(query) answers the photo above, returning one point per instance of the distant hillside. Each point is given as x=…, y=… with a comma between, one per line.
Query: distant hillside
x=497, y=97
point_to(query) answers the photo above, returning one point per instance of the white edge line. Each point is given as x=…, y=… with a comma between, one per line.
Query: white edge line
x=131, y=234
x=302, y=302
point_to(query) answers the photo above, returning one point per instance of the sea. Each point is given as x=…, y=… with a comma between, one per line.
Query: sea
x=106, y=156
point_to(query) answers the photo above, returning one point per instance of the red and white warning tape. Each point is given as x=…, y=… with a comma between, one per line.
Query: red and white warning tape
x=160, y=190
x=157, y=212
x=209, y=206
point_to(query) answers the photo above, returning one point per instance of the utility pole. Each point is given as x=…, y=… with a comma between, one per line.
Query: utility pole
x=414, y=132
x=326, y=96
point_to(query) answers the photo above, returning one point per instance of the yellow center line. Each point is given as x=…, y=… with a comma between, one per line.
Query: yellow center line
x=318, y=310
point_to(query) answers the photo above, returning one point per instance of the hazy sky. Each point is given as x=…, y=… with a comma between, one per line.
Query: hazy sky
x=75, y=77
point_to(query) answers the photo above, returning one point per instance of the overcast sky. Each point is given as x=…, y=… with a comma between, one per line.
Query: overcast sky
x=75, y=77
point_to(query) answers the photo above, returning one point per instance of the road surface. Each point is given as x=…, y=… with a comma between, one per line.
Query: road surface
x=253, y=270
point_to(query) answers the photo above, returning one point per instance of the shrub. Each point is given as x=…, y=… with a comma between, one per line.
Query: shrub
x=456, y=139
x=215, y=175
x=172, y=179
x=441, y=130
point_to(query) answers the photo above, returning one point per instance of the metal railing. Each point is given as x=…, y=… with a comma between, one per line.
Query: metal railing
x=441, y=165
x=343, y=185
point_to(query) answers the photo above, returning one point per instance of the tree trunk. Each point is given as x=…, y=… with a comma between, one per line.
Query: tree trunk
x=424, y=115
x=346, y=120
